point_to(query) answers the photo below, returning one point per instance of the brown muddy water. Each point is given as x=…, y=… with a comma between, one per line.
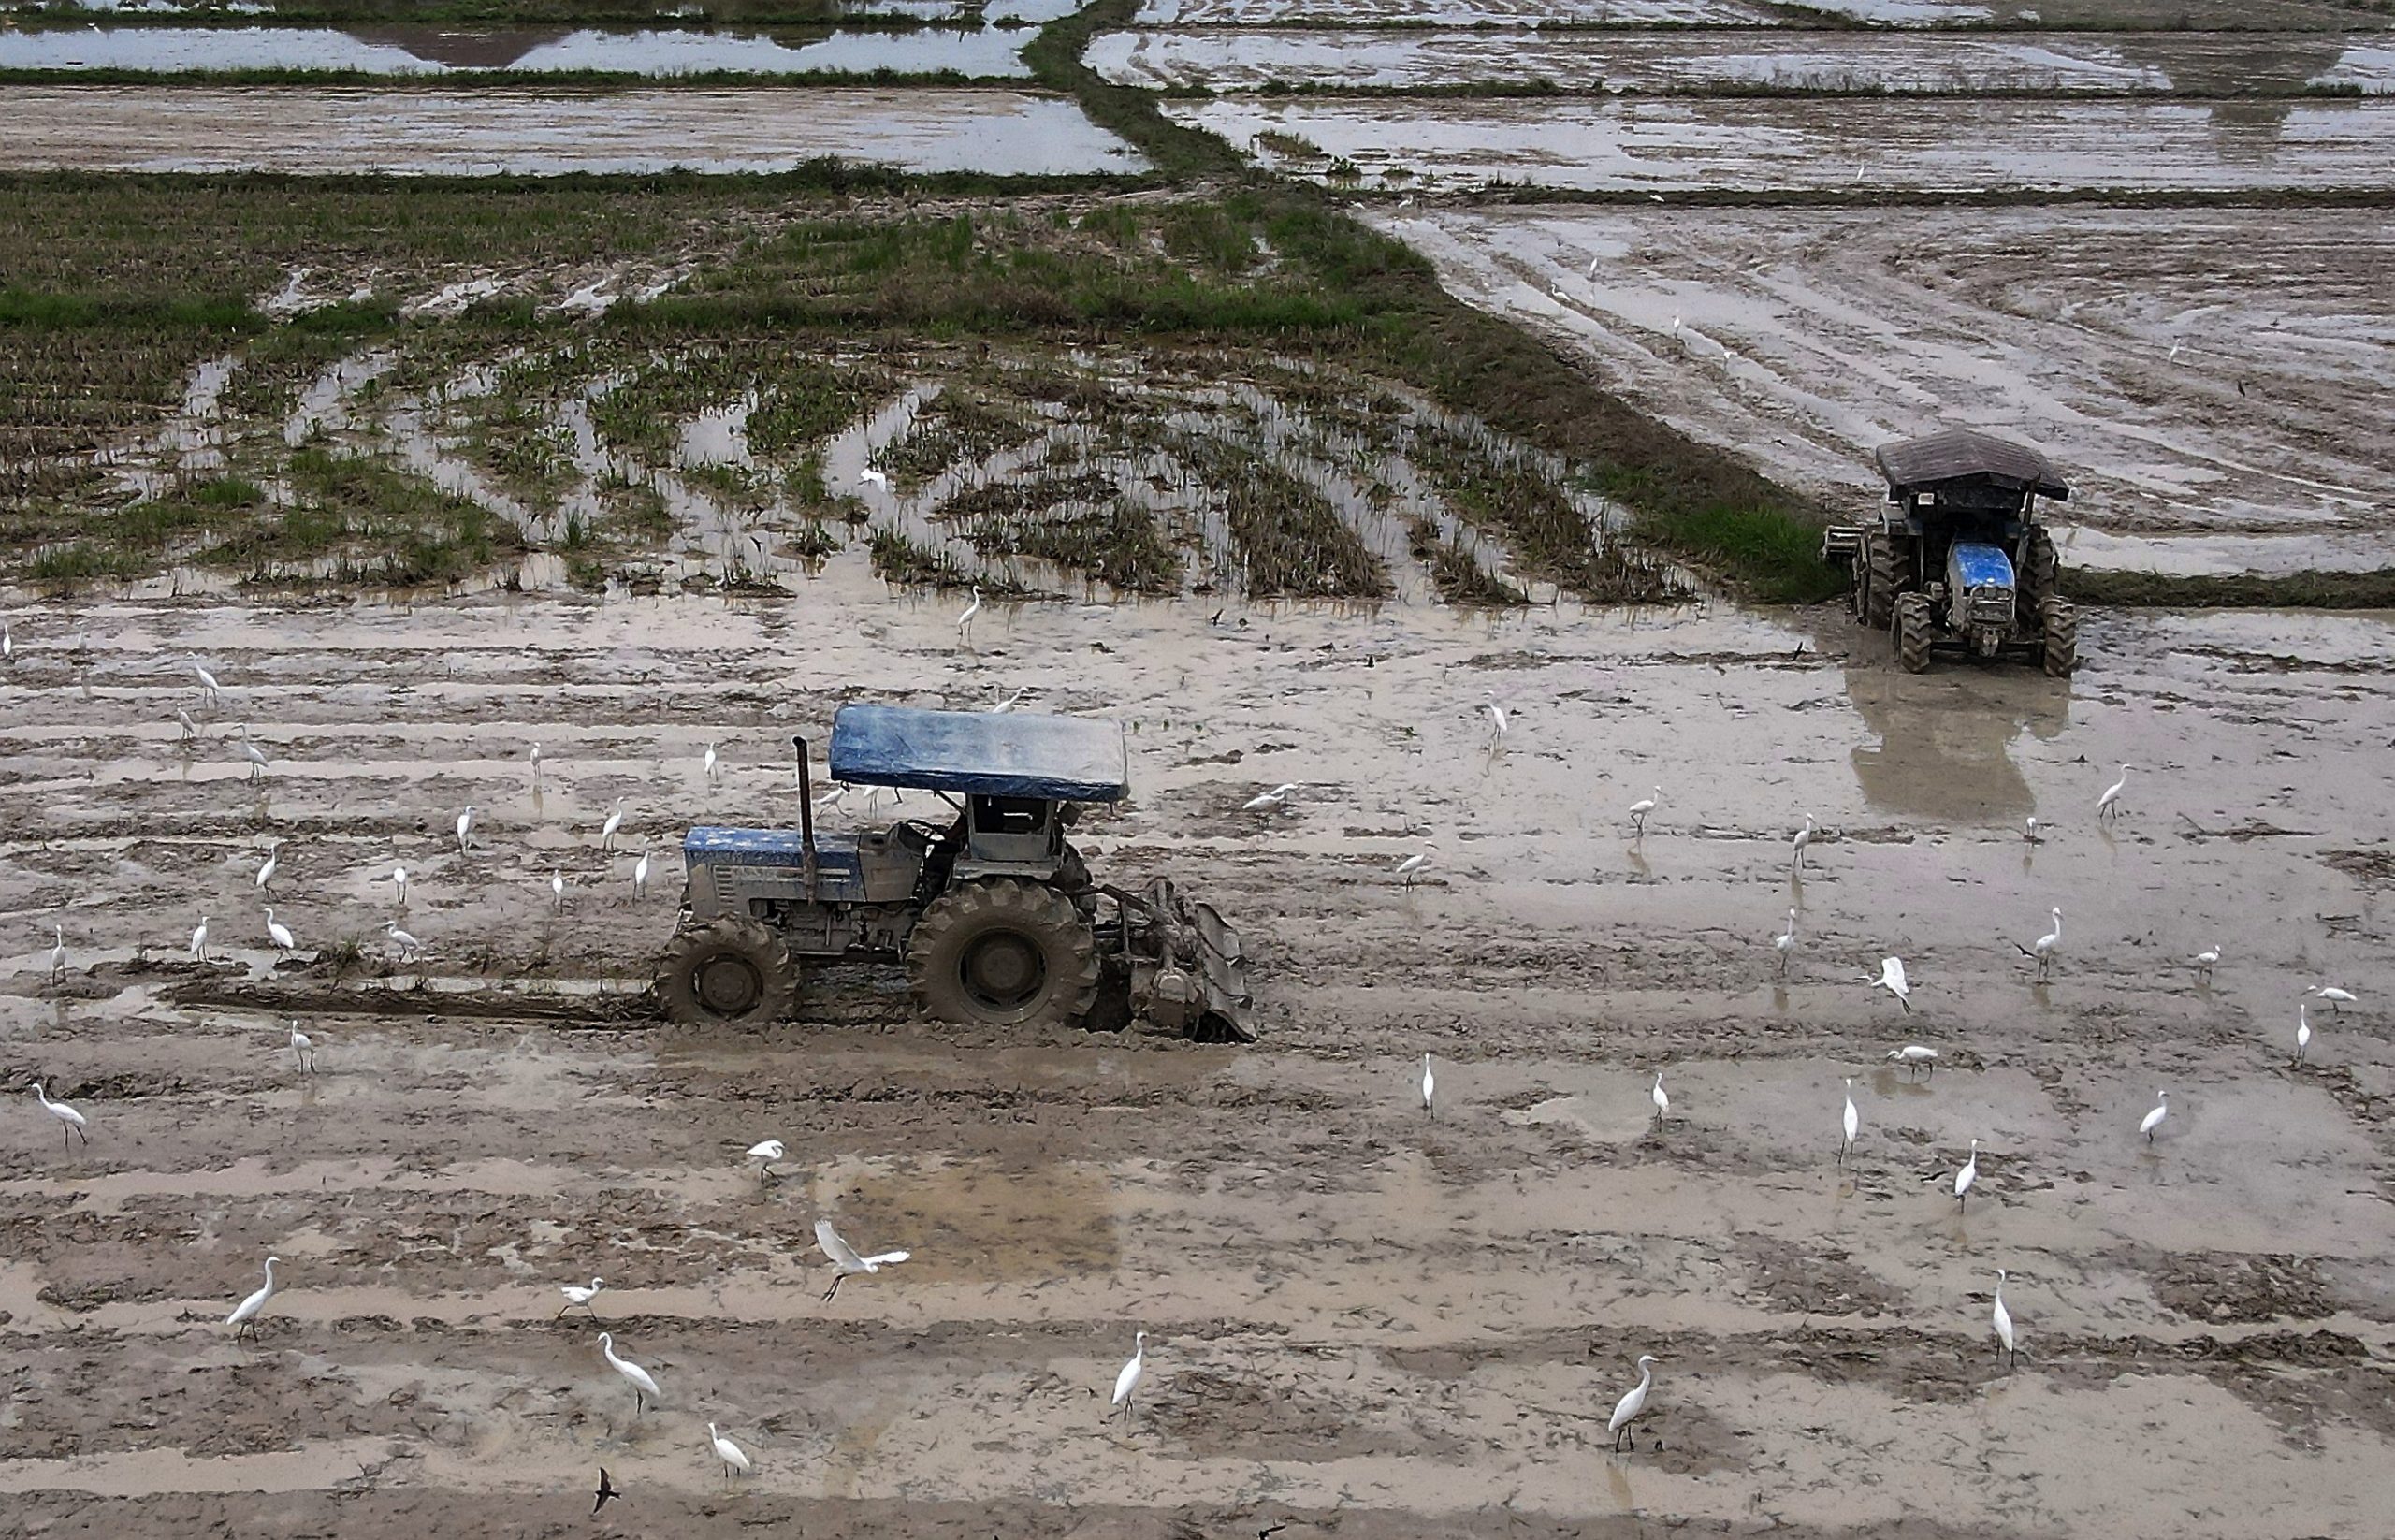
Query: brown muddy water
x=1360, y=1316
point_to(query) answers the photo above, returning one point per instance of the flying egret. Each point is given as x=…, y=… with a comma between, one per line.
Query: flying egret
x=279, y=933
x=644, y=1384
x=1850, y=1124
x=534, y=759
x=1914, y=1055
x=399, y=886
x=607, y=830
x=2043, y=949
x=845, y=1259
x=1413, y=866
x=245, y=1315
x=734, y=1457
x=871, y=477
x=2003, y=1318
x=207, y=686
x=1496, y=715
x=1662, y=1101
x=409, y=946
x=1269, y=801
x=708, y=766
x=2206, y=961
x=250, y=752
x=1968, y=1174
x=764, y=1153
x=556, y=890
x=72, y=1124
x=2302, y=1031
x=1803, y=837
x=466, y=829
x=1891, y=979
x=640, y=871
x=1429, y=1085
x=1785, y=943
x=2338, y=998
x=272, y=864
x=965, y=621
x=2154, y=1119
x=2109, y=804
x=303, y=1050
x=1627, y=1409
x=200, y=940
x=58, y=955
x=1639, y=809
x=1126, y=1381
x=578, y=1297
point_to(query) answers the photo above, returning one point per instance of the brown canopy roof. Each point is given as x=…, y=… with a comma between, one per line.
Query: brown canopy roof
x=1962, y=454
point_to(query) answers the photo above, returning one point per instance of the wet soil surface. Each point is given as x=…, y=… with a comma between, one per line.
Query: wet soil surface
x=1360, y=1318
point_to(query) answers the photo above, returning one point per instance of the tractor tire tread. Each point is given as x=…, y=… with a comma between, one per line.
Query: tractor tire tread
x=1911, y=624
x=677, y=974
x=1036, y=910
x=2058, y=620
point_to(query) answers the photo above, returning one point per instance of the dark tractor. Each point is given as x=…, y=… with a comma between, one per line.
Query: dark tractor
x=1957, y=561
x=992, y=912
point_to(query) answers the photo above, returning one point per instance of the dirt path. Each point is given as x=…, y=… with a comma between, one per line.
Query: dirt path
x=1360, y=1317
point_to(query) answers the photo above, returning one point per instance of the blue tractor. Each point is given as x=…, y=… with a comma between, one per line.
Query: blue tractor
x=1957, y=560
x=992, y=911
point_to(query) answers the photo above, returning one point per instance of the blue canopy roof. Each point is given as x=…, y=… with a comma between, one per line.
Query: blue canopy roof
x=994, y=753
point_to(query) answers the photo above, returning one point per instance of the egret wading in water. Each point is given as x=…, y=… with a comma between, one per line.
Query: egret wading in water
x=2043, y=948
x=1412, y=867
x=1966, y=1176
x=2003, y=1320
x=279, y=933
x=2109, y=804
x=268, y=867
x=1797, y=846
x=399, y=886
x=1850, y=1124
x=965, y=621
x=72, y=1124
x=409, y=946
x=187, y=729
x=644, y=1384
x=845, y=1259
x=534, y=759
x=250, y=752
x=556, y=890
x=1785, y=943
x=245, y=1315
x=1662, y=1102
x=1496, y=715
x=711, y=767
x=1891, y=979
x=58, y=955
x=2338, y=998
x=578, y=1297
x=2154, y=1119
x=607, y=830
x=2302, y=1031
x=200, y=940
x=1126, y=1381
x=466, y=829
x=2206, y=961
x=303, y=1050
x=764, y=1153
x=2030, y=830
x=1429, y=1085
x=209, y=691
x=1270, y=802
x=1639, y=809
x=735, y=1461
x=1627, y=1410
x=1914, y=1055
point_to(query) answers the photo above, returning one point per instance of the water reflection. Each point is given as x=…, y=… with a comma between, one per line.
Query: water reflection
x=1945, y=736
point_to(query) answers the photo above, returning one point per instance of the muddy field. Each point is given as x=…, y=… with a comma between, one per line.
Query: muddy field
x=1360, y=1318
x=2213, y=378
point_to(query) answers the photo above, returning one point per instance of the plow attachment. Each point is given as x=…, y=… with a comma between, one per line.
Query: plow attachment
x=1179, y=962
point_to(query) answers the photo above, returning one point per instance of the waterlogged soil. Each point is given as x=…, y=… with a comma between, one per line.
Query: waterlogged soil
x=1360, y=1316
x=2211, y=380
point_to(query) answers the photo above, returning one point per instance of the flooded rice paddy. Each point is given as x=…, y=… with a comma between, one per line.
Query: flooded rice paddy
x=525, y=133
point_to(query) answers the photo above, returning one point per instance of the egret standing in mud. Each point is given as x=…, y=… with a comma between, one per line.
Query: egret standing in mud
x=2206, y=961
x=303, y=1051
x=1267, y=803
x=534, y=759
x=57, y=955
x=1497, y=722
x=466, y=829
x=1430, y=1085
x=1627, y=1409
x=2302, y=1031
x=640, y=871
x=250, y=752
x=2043, y=948
x=1638, y=811
x=556, y=890
x=245, y=1315
x=399, y=886
x=734, y=1459
x=2154, y=1119
x=1126, y=1380
x=578, y=1297
x=72, y=1124
x=1912, y=1055
x=2338, y=998
x=1662, y=1102
x=2109, y=804
x=279, y=933
x=209, y=691
x=644, y=1384
x=1412, y=867
x=1970, y=1175
x=965, y=621
x=2003, y=1321
x=764, y=1153
x=409, y=946
x=200, y=940
x=607, y=830
x=1785, y=943
x=1850, y=1124
x=1798, y=845
x=189, y=730
x=268, y=867
x=709, y=766
x=2030, y=830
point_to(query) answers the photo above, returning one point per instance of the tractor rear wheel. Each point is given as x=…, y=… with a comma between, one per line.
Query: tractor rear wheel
x=2058, y=619
x=1881, y=582
x=1913, y=631
x=2038, y=580
x=1004, y=952
x=727, y=973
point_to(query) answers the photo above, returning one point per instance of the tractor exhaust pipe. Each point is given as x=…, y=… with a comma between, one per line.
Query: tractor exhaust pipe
x=805, y=811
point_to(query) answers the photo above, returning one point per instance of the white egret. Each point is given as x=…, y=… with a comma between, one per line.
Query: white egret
x=871, y=477
x=1662, y=1101
x=7, y=642
x=1639, y=809
x=1413, y=866
x=1010, y=702
x=409, y=946
x=2302, y=1031
x=845, y=1259
x=1429, y=1085
x=1496, y=715
x=764, y=1153
x=58, y=955
x=272, y=864
x=2109, y=804
x=187, y=729
x=1968, y=1175
x=2206, y=961
x=245, y=1315
x=734, y=1457
x=1268, y=801
x=2030, y=830
x=833, y=798
x=1914, y=1055
x=303, y=1050
x=399, y=886
x=607, y=830
x=644, y=1384
x=1803, y=837
x=72, y=1124
x=708, y=766
x=466, y=829
x=207, y=687
x=1891, y=979
x=1126, y=1380
x=1785, y=943
x=2154, y=1119
x=250, y=752
x=578, y=1297
x=965, y=621
x=556, y=890
x=2003, y=1319
x=1850, y=1124
x=534, y=759
x=2043, y=949
x=279, y=933
x=2338, y=998
x=1627, y=1409
x=200, y=940
x=640, y=871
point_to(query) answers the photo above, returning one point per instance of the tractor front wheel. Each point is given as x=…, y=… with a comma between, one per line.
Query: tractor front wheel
x=1004, y=952
x=727, y=973
x=2058, y=619
x=1882, y=584
x=1913, y=631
